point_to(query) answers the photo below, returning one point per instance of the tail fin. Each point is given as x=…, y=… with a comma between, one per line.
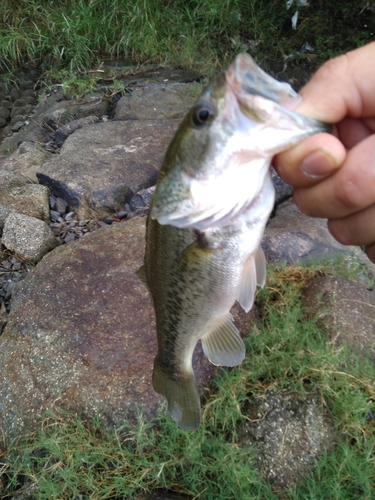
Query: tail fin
x=182, y=397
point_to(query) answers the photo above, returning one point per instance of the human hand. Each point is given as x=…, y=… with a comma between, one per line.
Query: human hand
x=334, y=175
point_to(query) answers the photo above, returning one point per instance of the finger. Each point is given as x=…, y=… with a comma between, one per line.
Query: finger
x=310, y=161
x=343, y=86
x=370, y=250
x=352, y=131
x=355, y=229
x=349, y=190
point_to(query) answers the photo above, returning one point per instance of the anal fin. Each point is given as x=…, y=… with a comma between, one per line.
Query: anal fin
x=223, y=344
x=182, y=397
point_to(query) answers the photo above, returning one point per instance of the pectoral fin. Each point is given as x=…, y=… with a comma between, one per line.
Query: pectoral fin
x=260, y=266
x=182, y=397
x=253, y=274
x=223, y=345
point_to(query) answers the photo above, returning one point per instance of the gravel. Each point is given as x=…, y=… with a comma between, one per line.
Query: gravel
x=12, y=270
x=66, y=228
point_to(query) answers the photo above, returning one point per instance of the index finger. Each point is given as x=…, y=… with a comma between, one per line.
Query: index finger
x=343, y=86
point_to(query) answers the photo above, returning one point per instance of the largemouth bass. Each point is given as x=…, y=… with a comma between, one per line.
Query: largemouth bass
x=212, y=201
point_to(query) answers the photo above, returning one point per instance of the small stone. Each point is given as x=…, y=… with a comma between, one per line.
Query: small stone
x=51, y=147
x=16, y=111
x=69, y=237
x=121, y=215
x=15, y=93
x=7, y=130
x=8, y=288
x=29, y=96
x=17, y=118
x=33, y=74
x=28, y=237
x=27, y=85
x=61, y=205
x=56, y=119
x=92, y=104
x=70, y=216
x=54, y=215
x=6, y=104
x=52, y=202
x=21, y=275
x=108, y=220
x=4, y=113
x=3, y=317
x=17, y=126
x=19, y=103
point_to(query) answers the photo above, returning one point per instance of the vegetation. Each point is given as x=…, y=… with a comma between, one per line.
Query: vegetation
x=76, y=34
x=70, y=459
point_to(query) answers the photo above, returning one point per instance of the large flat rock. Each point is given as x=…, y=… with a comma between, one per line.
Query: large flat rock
x=81, y=335
x=292, y=237
x=18, y=195
x=172, y=101
x=26, y=159
x=344, y=310
x=102, y=166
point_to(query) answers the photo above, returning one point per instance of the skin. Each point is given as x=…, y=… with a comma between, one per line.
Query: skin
x=334, y=175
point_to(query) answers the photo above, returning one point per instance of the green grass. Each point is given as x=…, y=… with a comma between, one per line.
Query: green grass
x=194, y=33
x=69, y=459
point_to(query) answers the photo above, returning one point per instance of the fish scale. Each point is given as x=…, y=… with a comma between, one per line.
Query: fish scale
x=212, y=201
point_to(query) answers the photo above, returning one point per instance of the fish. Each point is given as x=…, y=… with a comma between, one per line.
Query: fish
x=212, y=200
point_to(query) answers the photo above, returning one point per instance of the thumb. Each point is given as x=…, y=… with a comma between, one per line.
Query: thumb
x=310, y=161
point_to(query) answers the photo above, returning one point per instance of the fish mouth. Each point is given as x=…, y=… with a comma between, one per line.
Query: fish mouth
x=249, y=78
x=272, y=102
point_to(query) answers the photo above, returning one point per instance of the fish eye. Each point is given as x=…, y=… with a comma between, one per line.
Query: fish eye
x=202, y=114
